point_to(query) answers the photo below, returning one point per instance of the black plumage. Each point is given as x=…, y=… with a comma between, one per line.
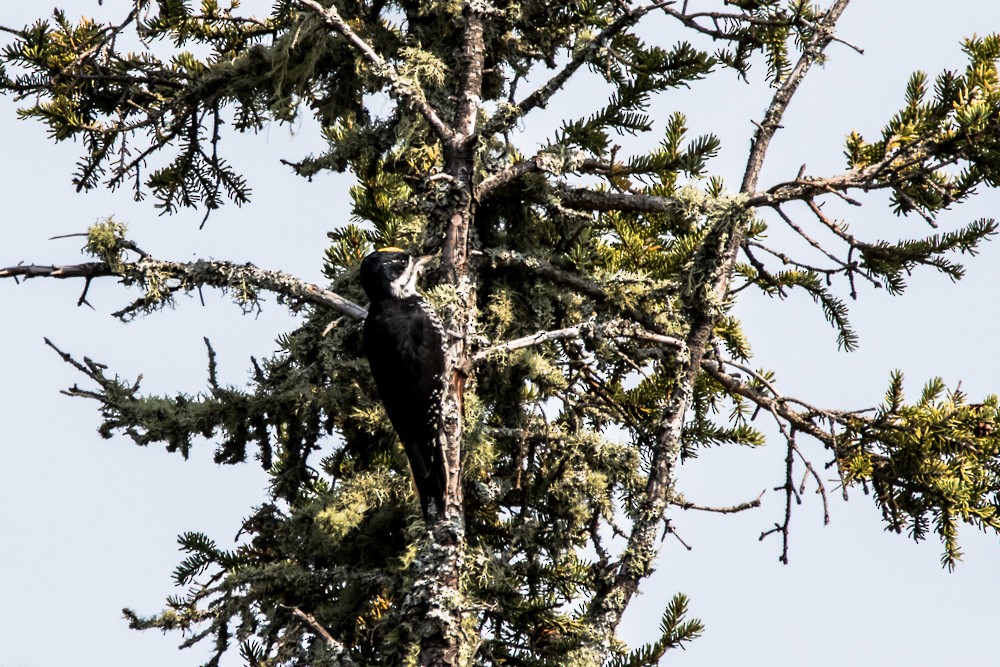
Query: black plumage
x=404, y=343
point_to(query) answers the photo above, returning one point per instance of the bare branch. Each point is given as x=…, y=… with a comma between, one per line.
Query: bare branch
x=889, y=172
x=779, y=102
x=690, y=20
x=87, y=270
x=800, y=421
x=742, y=507
x=810, y=240
x=820, y=486
x=789, y=489
x=613, y=328
x=340, y=656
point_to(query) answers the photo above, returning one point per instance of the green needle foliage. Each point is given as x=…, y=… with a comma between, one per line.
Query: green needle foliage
x=929, y=465
x=590, y=288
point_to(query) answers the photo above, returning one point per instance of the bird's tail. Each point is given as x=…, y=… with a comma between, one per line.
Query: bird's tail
x=433, y=489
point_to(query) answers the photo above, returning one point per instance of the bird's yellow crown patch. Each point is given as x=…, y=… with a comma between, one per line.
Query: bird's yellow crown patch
x=390, y=249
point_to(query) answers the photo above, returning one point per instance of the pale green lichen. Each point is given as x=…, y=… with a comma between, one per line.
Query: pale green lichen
x=105, y=241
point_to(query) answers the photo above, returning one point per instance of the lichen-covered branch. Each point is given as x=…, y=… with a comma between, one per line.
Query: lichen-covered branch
x=508, y=115
x=406, y=91
x=606, y=329
x=160, y=278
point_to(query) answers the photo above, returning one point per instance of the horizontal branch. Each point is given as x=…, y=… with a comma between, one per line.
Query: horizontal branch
x=542, y=162
x=188, y=275
x=614, y=328
x=742, y=507
x=509, y=259
x=890, y=172
x=491, y=184
x=595, y=200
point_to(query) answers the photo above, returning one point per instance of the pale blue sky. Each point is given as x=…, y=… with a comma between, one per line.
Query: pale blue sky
x=90, y=526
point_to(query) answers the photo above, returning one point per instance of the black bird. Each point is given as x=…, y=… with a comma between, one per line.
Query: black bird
x=405, y=346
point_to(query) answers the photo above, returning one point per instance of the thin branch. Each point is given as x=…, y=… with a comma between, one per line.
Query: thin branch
x=786, y=260
x=403, y=90
x=742, y=507
x=539, y=98
x=770, y=387
x=789, y=489
x=800, y=421
x=820, y=486
x=613, y=328
x=340, y=651
x=811, y=241
x=779, y=102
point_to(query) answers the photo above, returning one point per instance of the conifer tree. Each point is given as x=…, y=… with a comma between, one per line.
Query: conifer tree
x=587, y=295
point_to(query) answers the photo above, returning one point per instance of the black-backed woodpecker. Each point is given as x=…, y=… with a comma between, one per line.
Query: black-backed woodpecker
x=405, y=345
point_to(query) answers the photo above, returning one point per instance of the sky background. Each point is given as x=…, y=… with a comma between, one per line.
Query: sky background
x=89, y=525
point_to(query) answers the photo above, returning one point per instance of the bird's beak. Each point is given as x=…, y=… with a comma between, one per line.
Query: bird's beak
x=421, y=262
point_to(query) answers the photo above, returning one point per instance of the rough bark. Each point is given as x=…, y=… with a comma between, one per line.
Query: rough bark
x=717, y=259
x=437, y=594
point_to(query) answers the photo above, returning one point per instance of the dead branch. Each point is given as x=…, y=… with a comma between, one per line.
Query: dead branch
x=741, y=507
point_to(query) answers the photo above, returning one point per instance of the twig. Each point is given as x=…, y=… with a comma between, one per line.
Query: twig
x=742, y=507
x=339, y=649
x=811, y=241
x=820, y=487
x=668, y=529
x=789, y=489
